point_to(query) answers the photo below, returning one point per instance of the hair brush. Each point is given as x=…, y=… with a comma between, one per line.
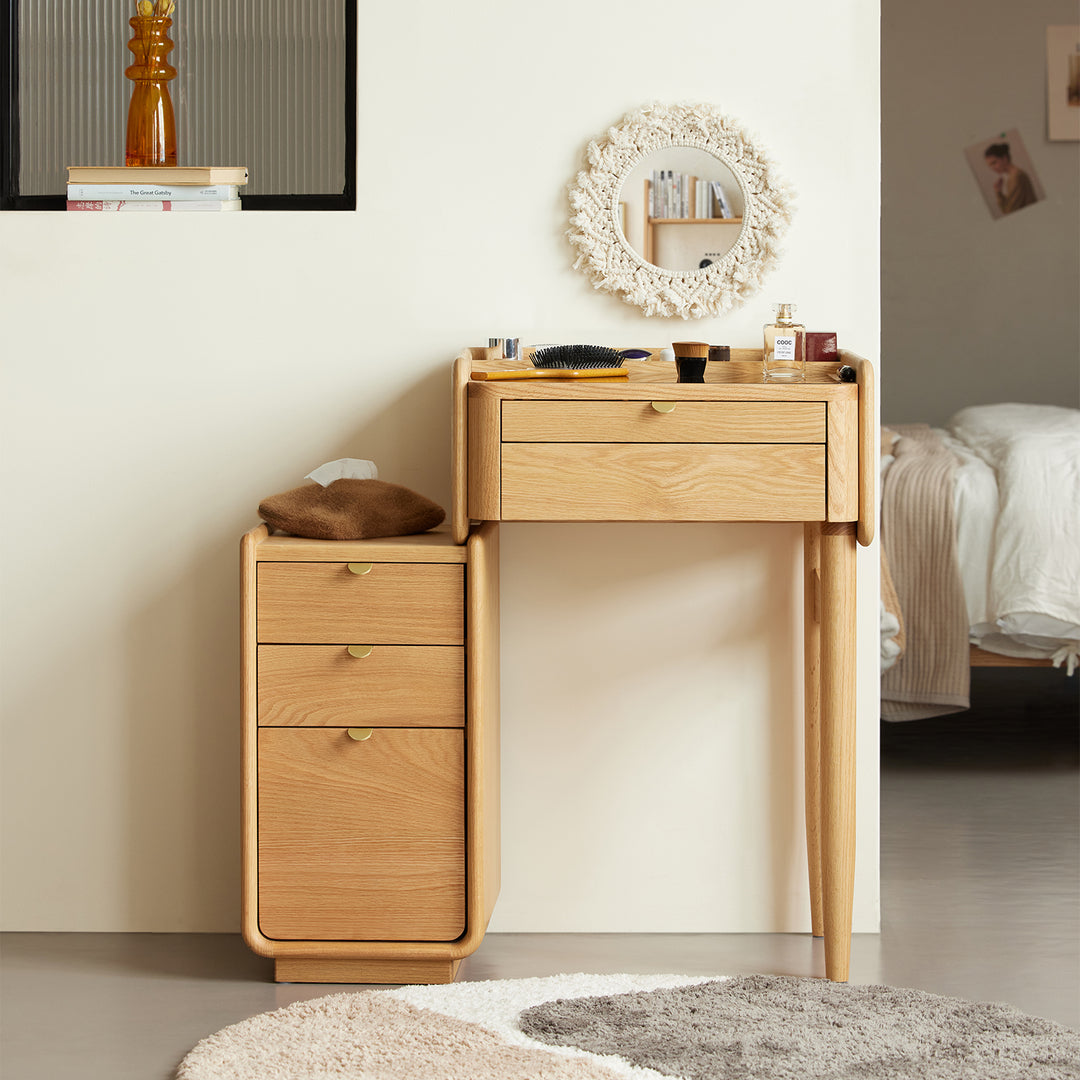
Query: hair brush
x=583, y=356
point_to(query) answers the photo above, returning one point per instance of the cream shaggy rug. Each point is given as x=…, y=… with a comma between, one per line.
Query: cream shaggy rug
x=603, y=1027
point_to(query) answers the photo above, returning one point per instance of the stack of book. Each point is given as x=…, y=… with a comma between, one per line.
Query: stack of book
x=675, y=195
x=196, y=188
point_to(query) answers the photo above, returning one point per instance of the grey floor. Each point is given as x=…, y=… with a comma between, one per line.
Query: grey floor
x=981, y=899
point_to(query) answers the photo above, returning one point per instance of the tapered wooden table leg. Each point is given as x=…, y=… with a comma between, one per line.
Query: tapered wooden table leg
x=837, y=743
x=812, y=713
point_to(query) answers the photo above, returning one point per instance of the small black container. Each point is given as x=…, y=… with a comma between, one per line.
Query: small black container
x=690, y=368
x=690, y=359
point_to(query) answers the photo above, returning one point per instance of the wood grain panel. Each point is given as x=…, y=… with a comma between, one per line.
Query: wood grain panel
x=361, y=840
x=394, y=686
x=459, y=456
x=366, y=971
x=362, y=890
x=483, y=467
x=393, y=604
x=843, y=461
x=985, y=658
x=319, y=784
x=868, y=458
x=812, y=716
x=837, y=760
x=638, y=421
x=484, y=757
x=662, y=482
x=435, y=546
x=249, y=820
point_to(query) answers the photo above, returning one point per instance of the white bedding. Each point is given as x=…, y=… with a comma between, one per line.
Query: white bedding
x=1017, y=501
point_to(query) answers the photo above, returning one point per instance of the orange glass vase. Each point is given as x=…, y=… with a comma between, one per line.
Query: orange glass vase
x=151, y=126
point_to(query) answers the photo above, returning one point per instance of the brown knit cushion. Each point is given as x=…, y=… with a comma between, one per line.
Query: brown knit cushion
x=351, y=510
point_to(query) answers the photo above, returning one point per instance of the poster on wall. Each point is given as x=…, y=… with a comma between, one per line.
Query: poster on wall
x=1063, y=82
x=1004, y=173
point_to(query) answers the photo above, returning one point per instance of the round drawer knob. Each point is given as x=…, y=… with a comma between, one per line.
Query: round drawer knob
x=359, y=734
x=360, y=567
x=664, y=406
x=360, y=651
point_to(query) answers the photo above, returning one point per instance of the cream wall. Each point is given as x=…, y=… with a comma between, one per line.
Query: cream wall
x=161, y=374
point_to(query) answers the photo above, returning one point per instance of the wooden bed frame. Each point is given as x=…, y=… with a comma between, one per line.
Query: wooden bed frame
x=982, y=658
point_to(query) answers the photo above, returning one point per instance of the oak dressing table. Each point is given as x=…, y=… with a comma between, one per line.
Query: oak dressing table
x=733, y=448
x=370, y=668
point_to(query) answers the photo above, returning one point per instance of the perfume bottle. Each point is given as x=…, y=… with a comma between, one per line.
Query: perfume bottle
x=783, y=358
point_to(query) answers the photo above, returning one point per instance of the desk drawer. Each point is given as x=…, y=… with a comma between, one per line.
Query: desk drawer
x=390, y=603
x=361, y=840
x=662, y=482
x=689, y=421
x=389, y=686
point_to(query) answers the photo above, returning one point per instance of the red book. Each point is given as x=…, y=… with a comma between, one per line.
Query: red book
x=822, y=346
x=139, y=206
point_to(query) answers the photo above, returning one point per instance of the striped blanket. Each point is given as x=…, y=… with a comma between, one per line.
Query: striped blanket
x=932, y=676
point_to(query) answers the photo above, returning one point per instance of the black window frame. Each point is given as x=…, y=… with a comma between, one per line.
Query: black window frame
x=11, y=199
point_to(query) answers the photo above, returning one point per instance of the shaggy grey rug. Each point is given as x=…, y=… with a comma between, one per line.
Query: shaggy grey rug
x=633, y=1027
x=772, y=1027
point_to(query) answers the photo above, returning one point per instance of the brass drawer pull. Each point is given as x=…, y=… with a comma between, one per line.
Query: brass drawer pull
x=664, y=406
x=359, y=734
x=360, y=567
x=360, y=651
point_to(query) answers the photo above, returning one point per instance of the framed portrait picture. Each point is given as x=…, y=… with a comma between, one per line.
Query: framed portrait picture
x=1005, y=174
x=1063, y=82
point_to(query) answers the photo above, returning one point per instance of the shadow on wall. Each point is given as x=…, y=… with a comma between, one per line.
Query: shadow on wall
x=181, y=658
x=647, y=648
x=406, y=435
x=183, y=740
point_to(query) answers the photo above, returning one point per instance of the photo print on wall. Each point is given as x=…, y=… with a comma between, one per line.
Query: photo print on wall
x=1063, y=82
x=1004, y=173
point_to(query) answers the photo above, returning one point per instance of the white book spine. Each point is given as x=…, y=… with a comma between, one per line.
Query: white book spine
x=153, y=192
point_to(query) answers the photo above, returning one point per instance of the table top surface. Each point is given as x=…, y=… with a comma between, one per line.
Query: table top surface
x=733, y=380
x=436, y=545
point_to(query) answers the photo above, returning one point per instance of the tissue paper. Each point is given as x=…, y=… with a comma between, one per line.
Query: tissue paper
x=345, y=468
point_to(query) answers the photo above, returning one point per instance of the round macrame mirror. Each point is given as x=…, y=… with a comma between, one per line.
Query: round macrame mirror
x=678, y=212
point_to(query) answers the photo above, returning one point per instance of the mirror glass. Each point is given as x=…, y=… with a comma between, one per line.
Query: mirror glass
x=681, y=208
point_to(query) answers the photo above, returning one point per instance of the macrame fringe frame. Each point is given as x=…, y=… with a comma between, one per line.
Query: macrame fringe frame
x=609, y=261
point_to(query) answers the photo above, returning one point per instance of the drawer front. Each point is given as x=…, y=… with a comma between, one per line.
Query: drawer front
x=689, y=421
x=374, y=685
x=362, y=890
x=391, y=603
x=361, y=840
x=662, y=482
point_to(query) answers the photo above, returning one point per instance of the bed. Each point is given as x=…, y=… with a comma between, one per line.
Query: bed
x=980, y=527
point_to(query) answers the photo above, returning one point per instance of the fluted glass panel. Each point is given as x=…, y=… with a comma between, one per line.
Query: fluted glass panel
x=260, y=83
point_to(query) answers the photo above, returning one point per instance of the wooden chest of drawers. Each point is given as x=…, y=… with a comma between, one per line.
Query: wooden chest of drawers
x=370, y=754
x=647, y=448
